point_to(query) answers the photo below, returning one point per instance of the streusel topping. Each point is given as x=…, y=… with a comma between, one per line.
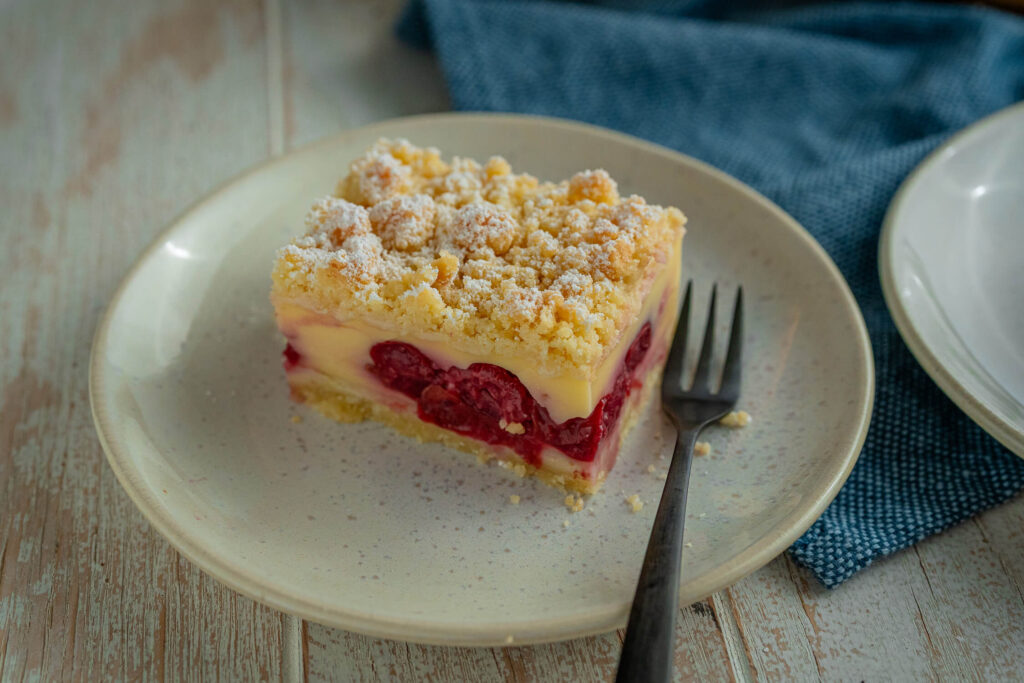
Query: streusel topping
x=496, y=261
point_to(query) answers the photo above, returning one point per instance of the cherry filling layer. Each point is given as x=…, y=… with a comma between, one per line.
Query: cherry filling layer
x=489, y=403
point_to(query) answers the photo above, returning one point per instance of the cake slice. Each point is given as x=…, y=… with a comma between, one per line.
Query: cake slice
x=457, y=302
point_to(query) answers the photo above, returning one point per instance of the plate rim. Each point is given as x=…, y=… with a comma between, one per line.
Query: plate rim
x=950, y=384
x=421, y=630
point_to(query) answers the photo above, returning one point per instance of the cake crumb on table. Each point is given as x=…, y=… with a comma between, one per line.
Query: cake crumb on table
x=514, y=499
x=736, y=419
x=635, y=503
x=702, y=448
x=574, y=503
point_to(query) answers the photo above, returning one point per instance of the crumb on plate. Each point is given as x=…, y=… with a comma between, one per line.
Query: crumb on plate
x=736, y=419
x=702, y=448
x=514, y=499
x=635, y=503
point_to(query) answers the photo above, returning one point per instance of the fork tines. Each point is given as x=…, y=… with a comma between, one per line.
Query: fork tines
x=701, y=385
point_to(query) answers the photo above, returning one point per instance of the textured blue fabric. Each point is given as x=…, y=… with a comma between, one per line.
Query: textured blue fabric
x=824, y=109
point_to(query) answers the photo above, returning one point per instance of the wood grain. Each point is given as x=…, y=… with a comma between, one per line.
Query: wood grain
x=773, y=625
x=948, y=609
x=871, y=628
x=1003, y=530
x=972, y=611
x=113, y=118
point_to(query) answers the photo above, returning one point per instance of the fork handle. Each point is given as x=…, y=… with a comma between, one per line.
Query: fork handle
x=648, y=647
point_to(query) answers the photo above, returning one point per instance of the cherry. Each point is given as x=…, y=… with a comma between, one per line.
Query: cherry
x=291, y=357
x=483, y=400
x=403, y=367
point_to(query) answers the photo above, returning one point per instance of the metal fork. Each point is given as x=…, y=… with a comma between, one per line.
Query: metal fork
x=648, y=646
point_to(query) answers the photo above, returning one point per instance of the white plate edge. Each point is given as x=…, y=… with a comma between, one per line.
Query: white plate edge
x=951, y=386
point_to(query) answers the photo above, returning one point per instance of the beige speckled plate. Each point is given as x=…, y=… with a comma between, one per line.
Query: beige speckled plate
x=353, y=526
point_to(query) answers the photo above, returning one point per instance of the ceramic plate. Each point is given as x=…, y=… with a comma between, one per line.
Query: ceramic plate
x=356, y=527
x=952, y=266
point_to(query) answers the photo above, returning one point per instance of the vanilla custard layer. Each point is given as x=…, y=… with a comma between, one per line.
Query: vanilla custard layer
x=340, y=349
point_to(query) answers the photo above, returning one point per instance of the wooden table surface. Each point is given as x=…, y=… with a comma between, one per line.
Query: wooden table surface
x=114, y=117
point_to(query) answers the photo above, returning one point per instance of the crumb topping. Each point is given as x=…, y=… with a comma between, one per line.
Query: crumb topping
x=574, y=503
x=404, y=223
x=478, y=253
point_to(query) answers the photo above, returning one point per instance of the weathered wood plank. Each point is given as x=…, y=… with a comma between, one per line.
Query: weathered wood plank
x=972, y=610
x=1003, y=529
x=869, y=628
x=773, y=624
x=113, y=118
x=335, y=655
x=343, y=67
x=950, y=609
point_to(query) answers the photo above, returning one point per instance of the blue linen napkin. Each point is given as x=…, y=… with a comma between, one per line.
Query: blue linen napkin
x=824, y=109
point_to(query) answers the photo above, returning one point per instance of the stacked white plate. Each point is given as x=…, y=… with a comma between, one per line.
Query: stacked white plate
x=952, y=266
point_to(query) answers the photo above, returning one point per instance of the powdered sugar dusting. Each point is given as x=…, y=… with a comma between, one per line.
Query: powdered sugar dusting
x=572, y=282
x=481, y=226
x=331, y=221
x=380, y=176
x=405, y=222
x=597, y=186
